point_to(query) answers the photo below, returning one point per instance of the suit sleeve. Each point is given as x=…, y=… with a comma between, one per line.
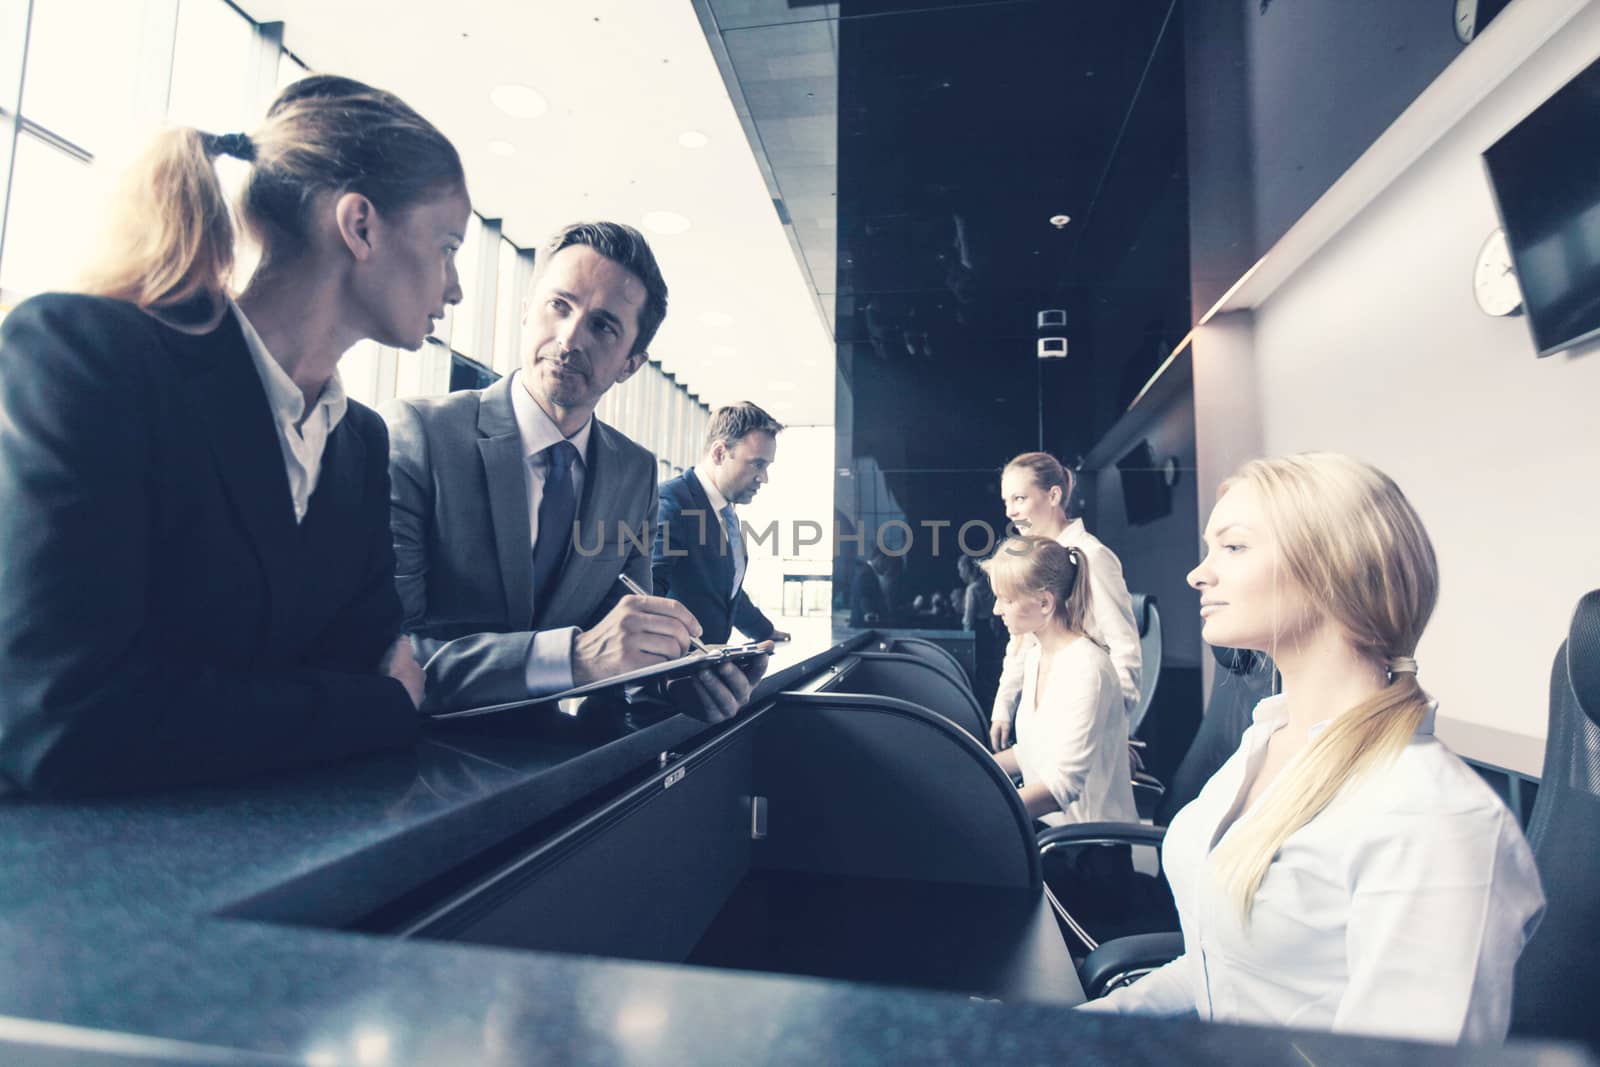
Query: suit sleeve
x=639, y=566
x=750, y=619
x=94, y=699
x=668, y=549
x=360, y=635
x=463, y=670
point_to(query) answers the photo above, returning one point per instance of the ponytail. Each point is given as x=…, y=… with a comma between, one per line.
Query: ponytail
x=171, y=239
x=1364, y=739
x=1032, y=565
x=1350, y=541
x=1076, y=608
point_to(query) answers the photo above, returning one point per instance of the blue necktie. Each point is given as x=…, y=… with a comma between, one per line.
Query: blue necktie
x=556, y=510
x=730, y=526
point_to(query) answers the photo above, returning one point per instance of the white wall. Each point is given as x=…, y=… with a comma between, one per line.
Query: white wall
x=1376, y=347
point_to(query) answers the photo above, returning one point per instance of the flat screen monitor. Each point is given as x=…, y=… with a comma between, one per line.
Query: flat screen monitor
x=1546, y=178
x=1146, y=496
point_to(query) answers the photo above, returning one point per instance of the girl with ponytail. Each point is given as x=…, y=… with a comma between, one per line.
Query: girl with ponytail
x=1343, y=870
x=198, y=577
x=1072, y=734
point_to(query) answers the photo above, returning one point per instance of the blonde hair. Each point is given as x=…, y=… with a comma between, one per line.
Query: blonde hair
x=1028, y=566
x=1047, y=473
x=1351, y=541
x=171, y=239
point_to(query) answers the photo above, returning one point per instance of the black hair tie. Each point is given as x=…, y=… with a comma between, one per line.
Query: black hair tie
x=237, y=145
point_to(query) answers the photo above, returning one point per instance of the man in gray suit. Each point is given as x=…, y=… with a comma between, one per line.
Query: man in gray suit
x=486, y=485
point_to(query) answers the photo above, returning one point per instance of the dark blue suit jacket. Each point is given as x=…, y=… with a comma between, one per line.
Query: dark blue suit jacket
x=162, y=617
x=692, y=564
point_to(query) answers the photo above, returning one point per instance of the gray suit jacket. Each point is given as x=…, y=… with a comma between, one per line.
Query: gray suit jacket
x=463, y=557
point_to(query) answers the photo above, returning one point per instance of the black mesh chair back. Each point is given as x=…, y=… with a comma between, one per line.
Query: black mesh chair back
x=1245, y=679
x=908, y=678
x=1559, y=971
x=931, y=653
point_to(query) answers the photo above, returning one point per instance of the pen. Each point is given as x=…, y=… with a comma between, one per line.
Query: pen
x=634, y=587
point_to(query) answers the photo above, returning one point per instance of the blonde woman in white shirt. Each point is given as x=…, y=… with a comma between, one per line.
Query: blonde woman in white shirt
x=1036, y=489
x=1071, y=732
x=1343, y=870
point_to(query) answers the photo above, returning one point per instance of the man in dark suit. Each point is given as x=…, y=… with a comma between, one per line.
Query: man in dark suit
x=699, y=557
x=488, y=487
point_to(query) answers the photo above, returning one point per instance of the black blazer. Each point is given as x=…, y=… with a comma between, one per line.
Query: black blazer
x=162, y=617
x=695, y=568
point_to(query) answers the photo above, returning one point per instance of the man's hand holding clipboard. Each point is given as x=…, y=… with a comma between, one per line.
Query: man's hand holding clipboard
x=713, y=692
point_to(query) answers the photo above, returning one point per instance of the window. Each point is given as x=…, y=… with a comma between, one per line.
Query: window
x=464, y=332
x=74, y=44
x=210, y=69
x=49, y=230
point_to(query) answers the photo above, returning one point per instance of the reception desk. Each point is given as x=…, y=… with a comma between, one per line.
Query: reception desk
x=612, y=890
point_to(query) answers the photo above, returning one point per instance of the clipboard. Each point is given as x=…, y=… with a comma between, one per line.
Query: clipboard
x=664, y=672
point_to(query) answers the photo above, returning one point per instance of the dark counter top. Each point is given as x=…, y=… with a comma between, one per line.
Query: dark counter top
x=124, y=940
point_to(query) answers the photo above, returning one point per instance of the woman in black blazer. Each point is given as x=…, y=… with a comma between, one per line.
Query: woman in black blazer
x=196, y=578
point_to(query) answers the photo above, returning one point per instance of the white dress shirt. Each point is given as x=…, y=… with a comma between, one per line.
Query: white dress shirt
x=1399, y=910
x=718, y=504
x=1073, y=739
x=302, y=437
x=1110, y=623
x=549, y=668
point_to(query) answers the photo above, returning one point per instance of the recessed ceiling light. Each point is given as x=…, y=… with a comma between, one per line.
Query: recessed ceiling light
x=693, y=139
x=519, y=101
x=502, y=148
x=717, y=318
x=1060, y=221
x=665, y=222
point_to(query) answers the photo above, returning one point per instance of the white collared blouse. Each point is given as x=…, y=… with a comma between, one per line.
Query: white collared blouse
x=1073, y=737
x=1399, y=910
x=302, y=436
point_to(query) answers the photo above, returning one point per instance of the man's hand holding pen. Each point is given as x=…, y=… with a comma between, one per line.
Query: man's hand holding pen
x=642, y=630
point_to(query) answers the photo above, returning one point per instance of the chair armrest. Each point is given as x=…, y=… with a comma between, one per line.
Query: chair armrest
x=1117, y=962
x=1101, y=833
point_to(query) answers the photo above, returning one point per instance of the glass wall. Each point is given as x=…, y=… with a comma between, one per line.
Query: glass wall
x=84, y=84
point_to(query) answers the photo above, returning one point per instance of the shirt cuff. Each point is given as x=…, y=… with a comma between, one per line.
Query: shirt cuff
x=549, y=668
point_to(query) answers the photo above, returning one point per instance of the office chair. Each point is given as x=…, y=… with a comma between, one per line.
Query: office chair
x=1553, y=996
x=1148, y=619
x=918, y=681
x=940, y=657
x=1121, y=948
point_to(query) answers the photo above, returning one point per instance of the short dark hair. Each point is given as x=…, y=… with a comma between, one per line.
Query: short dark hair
x=733, y=423
x=626, y=247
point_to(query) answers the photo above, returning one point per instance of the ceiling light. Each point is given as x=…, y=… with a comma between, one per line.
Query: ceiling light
x=665, y=222
x=1060, y=221
x=693, y=139
x=717, y=318
x=519, y=101
x=502, y=148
